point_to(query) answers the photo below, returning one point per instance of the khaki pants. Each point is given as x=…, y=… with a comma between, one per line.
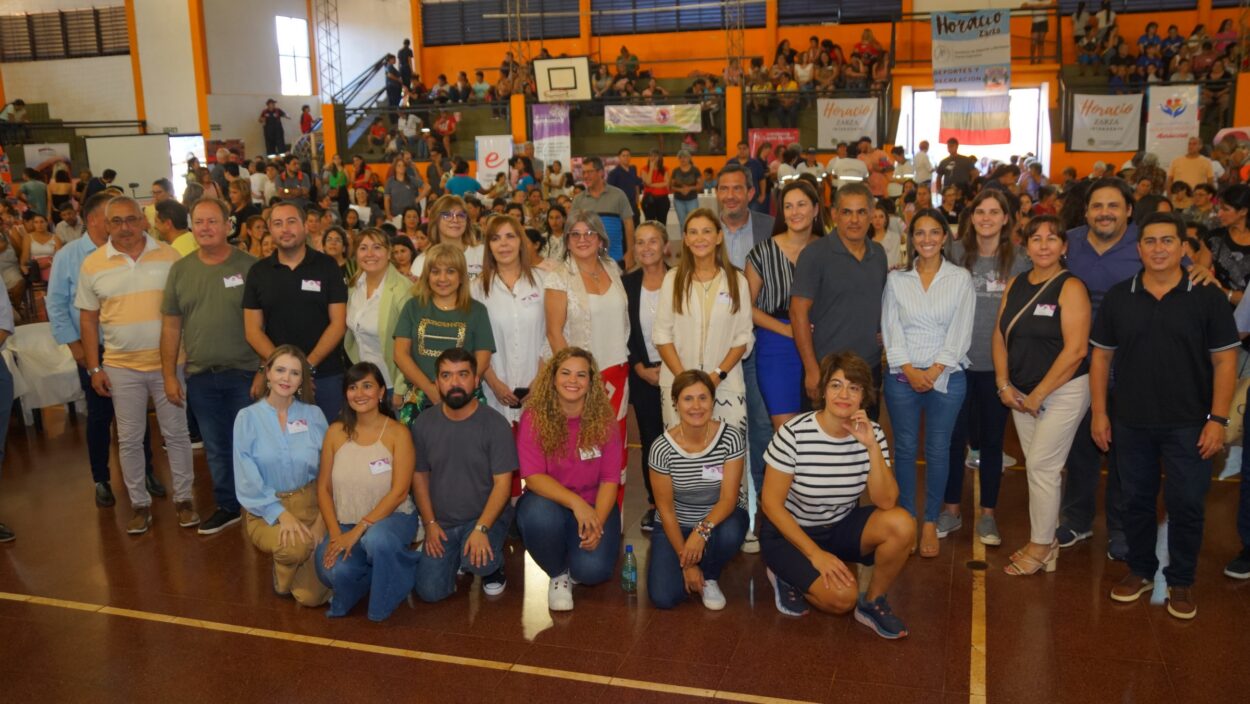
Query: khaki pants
x=293, y=570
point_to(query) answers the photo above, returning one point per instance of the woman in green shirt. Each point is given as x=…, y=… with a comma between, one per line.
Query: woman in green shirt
x=441, y=315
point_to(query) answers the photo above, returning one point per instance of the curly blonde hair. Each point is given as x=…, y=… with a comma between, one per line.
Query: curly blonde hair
x=550, y=422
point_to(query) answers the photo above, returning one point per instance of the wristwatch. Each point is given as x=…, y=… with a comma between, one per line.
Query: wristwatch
x=1217, y=419
x=94, y=370
x=720, y=373
x=481, y=528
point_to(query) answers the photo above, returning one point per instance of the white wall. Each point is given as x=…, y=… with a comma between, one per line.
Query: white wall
x=164, y=39
x=368, y=29
x=75, y=89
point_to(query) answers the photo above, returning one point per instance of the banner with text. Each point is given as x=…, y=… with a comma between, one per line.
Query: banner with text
x=551, y=132
x=1171, y=121
x=845, y=120
x=651, y=119
x=775, y=136
x=1106, y=123
x=971, y=52
x=493, y=153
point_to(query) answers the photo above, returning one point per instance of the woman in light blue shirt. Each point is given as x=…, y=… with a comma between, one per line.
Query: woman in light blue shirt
x=926, y=327
x=277, y=452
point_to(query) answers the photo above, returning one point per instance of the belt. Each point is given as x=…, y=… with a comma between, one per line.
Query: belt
x=289, y=494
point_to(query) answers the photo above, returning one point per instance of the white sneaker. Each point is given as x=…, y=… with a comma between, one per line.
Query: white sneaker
x=751, y=544
x=713, y=597
x=560, y=593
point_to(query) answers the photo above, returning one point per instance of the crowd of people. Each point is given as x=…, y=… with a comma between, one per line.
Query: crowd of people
x=371, y=363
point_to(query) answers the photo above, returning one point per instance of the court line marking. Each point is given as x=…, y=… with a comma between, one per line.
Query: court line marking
x=977, y=648
x=441, y=658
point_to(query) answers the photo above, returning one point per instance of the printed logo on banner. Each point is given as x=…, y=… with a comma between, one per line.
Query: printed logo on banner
x=1174, y=107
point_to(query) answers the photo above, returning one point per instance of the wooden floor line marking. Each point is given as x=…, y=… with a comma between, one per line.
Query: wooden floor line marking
x=977, y=649
x=398, y=652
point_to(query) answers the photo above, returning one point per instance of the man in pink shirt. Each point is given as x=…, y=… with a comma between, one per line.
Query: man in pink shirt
x=879, y=166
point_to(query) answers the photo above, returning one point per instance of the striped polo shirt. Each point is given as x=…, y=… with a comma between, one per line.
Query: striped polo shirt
x=128, y=294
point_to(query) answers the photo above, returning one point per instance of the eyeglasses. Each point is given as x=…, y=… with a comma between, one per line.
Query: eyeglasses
x=837, y=386
x=454, y=215
x=132, y=221
x=582, y=234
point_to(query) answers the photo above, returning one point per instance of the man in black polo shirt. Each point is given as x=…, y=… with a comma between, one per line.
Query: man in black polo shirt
x=955, y=170
x=1172, y=346
x=835, y=300
x=297, y=296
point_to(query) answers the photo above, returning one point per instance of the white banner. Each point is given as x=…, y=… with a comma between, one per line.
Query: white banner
x=1171, y=121
x=971, y=52
x=493, y=153
x=845, y=120
x=1106, y=123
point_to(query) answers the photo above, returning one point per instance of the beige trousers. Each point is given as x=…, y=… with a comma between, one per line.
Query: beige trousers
x=293, y=570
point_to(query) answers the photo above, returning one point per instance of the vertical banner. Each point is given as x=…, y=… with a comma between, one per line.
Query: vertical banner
x=845, y=120
x=552, y=140
x=784, y=136
x=1171, y=121
x=493, y=153
x=1106, y=123
x=972, y=52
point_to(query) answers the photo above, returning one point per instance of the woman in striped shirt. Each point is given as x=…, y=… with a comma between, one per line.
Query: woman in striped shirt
x=818, y=465
x=696, y=477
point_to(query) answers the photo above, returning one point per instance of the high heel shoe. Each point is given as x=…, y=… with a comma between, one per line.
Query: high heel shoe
x=1024, y=564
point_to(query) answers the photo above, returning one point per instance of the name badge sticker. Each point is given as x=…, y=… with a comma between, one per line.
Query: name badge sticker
x=723, y=297
x=232, y=281
x=296, y=426
x=310, y=285
x=1046, y=310
x=713, y=472
x=380, y=466
x=591, y=454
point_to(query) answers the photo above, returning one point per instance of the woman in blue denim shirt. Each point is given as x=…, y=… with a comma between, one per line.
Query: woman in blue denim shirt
x=277, y=452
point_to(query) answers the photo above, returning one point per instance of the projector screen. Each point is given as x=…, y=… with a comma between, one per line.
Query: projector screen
x=137, y=158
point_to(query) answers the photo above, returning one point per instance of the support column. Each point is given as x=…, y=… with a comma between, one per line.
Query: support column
x=418, y=45
x=1204, y=12
x=520, y=125
x=329, y=131
x=584, y=30
x=1241, y=111
x=199, y=59
x=133, y=34
x=733, y=119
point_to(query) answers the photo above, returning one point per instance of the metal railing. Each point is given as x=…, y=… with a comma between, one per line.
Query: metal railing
x=588, y=134
x=479, y=116
x=910, y=42
x=1213, y=116
x=807, y=120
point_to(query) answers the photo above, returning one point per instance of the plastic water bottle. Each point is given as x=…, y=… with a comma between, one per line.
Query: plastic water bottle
x=629, y=571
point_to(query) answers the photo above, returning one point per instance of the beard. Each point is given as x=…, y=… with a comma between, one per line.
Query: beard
x=457, y=398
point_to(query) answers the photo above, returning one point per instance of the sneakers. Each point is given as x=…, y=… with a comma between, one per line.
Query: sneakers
x=155, y=488
x=6, y=535
x=104, y=495
x=713, y=597
x=219, y=521
x=1117, y=546
x=1130, y=589
x=987, y=531
x=948, y=523
x=494, y=583
x=140, y=521
x=560, y=593
x=876, y=614
x=187, y=516
x=1068, y=537
x=751, y=544
x=973, y=459
x=788, y=599
x=1239, y=568
x=648, y=521
x=1181, y=603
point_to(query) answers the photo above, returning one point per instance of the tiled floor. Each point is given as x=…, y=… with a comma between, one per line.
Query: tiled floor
x=1054, y=638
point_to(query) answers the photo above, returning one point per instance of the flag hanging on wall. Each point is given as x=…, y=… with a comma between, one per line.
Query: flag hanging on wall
x=976, y=120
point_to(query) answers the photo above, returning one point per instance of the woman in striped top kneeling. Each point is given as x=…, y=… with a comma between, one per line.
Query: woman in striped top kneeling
x=696, y=477
x=817, y=466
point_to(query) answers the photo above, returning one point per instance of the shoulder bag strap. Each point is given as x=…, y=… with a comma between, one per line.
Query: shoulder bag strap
x=1042, y=289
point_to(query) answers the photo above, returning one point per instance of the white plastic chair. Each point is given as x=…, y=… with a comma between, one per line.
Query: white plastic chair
x=48, y=369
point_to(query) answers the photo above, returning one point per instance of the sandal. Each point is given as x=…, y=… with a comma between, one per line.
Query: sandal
x=929, y=546
x=1024, y=564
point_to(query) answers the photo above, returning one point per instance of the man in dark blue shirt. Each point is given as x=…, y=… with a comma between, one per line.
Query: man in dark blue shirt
x=625, y=177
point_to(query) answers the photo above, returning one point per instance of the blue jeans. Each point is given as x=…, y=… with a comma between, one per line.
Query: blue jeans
x=6, y=405
x=436, y=576
x=940, y=411
x=684, y=208
x=759, y=424
x=215, y=399
x=1186, y=478
x=982, y=421
x=1243, y=505
x=665, y=583
x=550, y=534
x=328, y=391
x=381, y=565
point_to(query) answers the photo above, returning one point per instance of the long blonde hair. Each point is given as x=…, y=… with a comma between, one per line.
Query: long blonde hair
x=443, y=255
x=550, y=422
x=685, y=264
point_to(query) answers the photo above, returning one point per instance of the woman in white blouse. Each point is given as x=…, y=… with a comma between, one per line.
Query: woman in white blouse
x=449, y=223
x=703, y=320
x=586, y=307
x=375, y=297
x=926, y=327
x=512, y=291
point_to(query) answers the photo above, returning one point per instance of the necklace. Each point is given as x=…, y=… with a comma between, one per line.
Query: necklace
x=443, y=308
x=702, y=440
